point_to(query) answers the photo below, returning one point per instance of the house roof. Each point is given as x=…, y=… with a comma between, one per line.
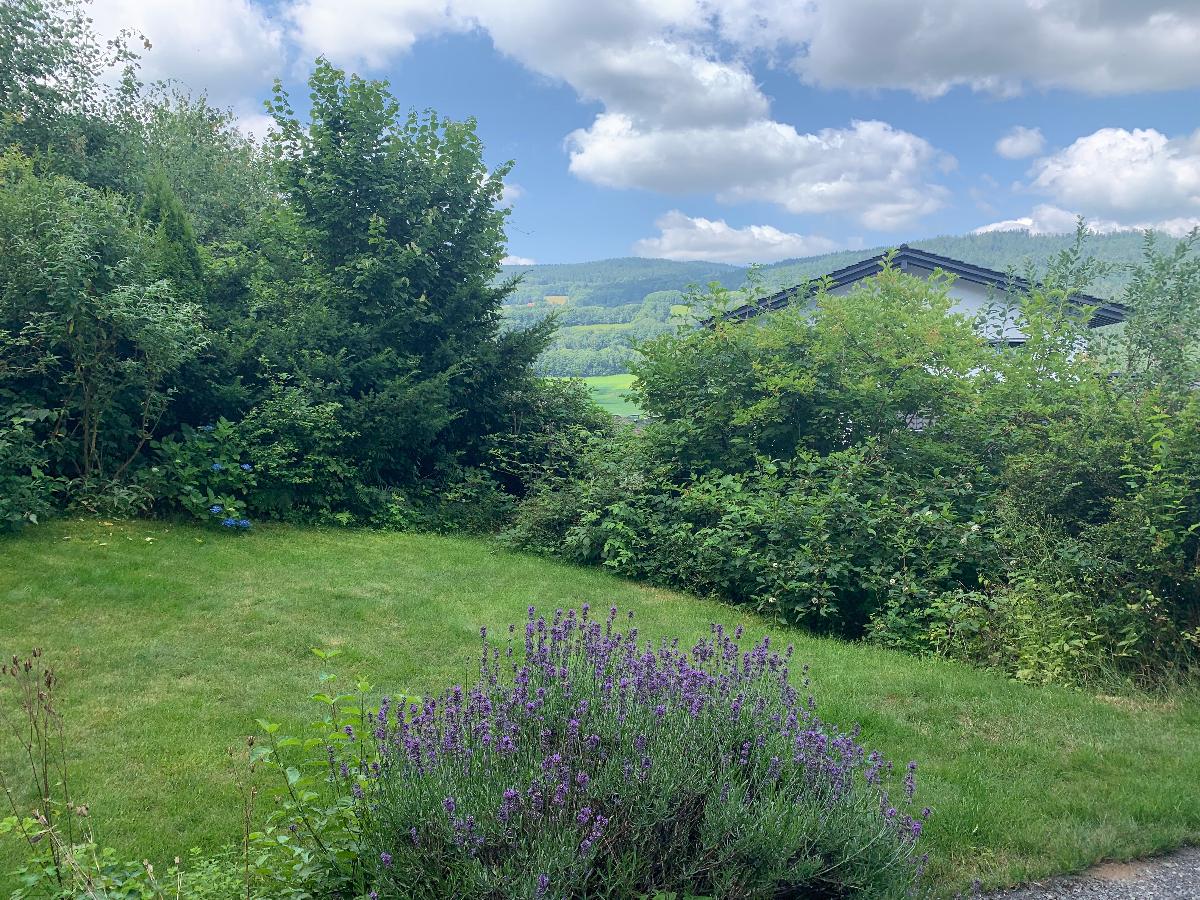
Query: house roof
x=1107, y=312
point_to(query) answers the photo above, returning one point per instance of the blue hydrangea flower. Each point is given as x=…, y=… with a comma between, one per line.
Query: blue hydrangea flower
x=246, y=467
x=229, y=523
x=217, y=467
x=208, y=427
x=216, y=508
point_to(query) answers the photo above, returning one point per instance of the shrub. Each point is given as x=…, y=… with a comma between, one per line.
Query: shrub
x=203, y=472
x=111, y=334
x=26, y=489
x=822, y=541
x=869, y=464
x=299, y=451
x=554, y=422
x=599, y=765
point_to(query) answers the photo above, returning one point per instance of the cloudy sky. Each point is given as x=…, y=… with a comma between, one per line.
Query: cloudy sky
x=741, y=130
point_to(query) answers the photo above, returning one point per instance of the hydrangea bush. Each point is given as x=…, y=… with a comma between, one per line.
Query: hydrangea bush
x=202, y=472
x=599, y=764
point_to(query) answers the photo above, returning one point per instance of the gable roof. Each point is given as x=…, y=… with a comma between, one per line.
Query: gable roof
x=1107, y=312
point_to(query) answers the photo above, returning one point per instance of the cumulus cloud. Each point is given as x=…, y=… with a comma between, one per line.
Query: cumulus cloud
x=1045, y=219
x=1120, y=180
x=678, y=115
x=231, y=49
x=931, y=46
x=927, y=46
x=1048, y=219
x=366, y=33
x=1125, y=174
x=518, y=261
x=511, y=194
x=1021, y=142
x=871, y=170
x=682, y=237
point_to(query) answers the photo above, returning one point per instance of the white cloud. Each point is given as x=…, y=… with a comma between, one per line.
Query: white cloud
x=230, y=49
x=870, y=170
x=253, y=123
x=1126, y=175
x=682, y=112
x=1021, y=142
x=1120, y=180
x=366, y=33
x=511, y=194
x=682, y=237
x=1045, y=219
x=930, y=46
x=1048, y=219
x=518, y=261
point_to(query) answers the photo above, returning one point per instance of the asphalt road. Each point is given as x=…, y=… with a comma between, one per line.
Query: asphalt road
x=1175, y=876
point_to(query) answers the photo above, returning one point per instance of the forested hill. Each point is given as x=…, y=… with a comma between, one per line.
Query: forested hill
x=604, y=307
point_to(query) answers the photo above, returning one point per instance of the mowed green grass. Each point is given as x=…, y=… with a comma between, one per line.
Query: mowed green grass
x=170, y=640
x=609, y=391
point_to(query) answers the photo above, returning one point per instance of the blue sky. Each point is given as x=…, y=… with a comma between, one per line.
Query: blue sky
x=753, y=130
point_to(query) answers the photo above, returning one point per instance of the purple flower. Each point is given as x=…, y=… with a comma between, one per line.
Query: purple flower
x=449, y=805
x=386, y=859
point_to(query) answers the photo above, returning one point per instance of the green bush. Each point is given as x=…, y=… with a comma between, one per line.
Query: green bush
x=204, y=472
x=871, y=465
x=299, y=449
x=821, y=541
x=27, y=491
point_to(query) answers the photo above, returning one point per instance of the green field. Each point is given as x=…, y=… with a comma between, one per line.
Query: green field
x=607, y=390
x=170, y=640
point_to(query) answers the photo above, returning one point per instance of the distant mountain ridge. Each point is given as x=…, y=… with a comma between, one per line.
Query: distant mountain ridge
x=612, y=303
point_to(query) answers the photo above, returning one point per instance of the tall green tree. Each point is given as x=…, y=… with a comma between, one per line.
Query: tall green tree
x=399, y=217
x=175, y=242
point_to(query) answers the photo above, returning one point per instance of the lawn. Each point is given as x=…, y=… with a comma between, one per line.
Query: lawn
x=609, y=391
x=170, y=640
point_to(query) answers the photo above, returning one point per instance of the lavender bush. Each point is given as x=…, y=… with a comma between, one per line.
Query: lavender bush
x=596, y=764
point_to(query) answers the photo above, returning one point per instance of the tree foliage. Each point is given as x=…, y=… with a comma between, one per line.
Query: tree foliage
x=874, y=465
x=332, y=295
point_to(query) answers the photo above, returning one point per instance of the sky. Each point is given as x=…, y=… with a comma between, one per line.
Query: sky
x=750, y=130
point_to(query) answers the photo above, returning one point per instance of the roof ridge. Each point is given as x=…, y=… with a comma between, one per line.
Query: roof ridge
x=1110, y=310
